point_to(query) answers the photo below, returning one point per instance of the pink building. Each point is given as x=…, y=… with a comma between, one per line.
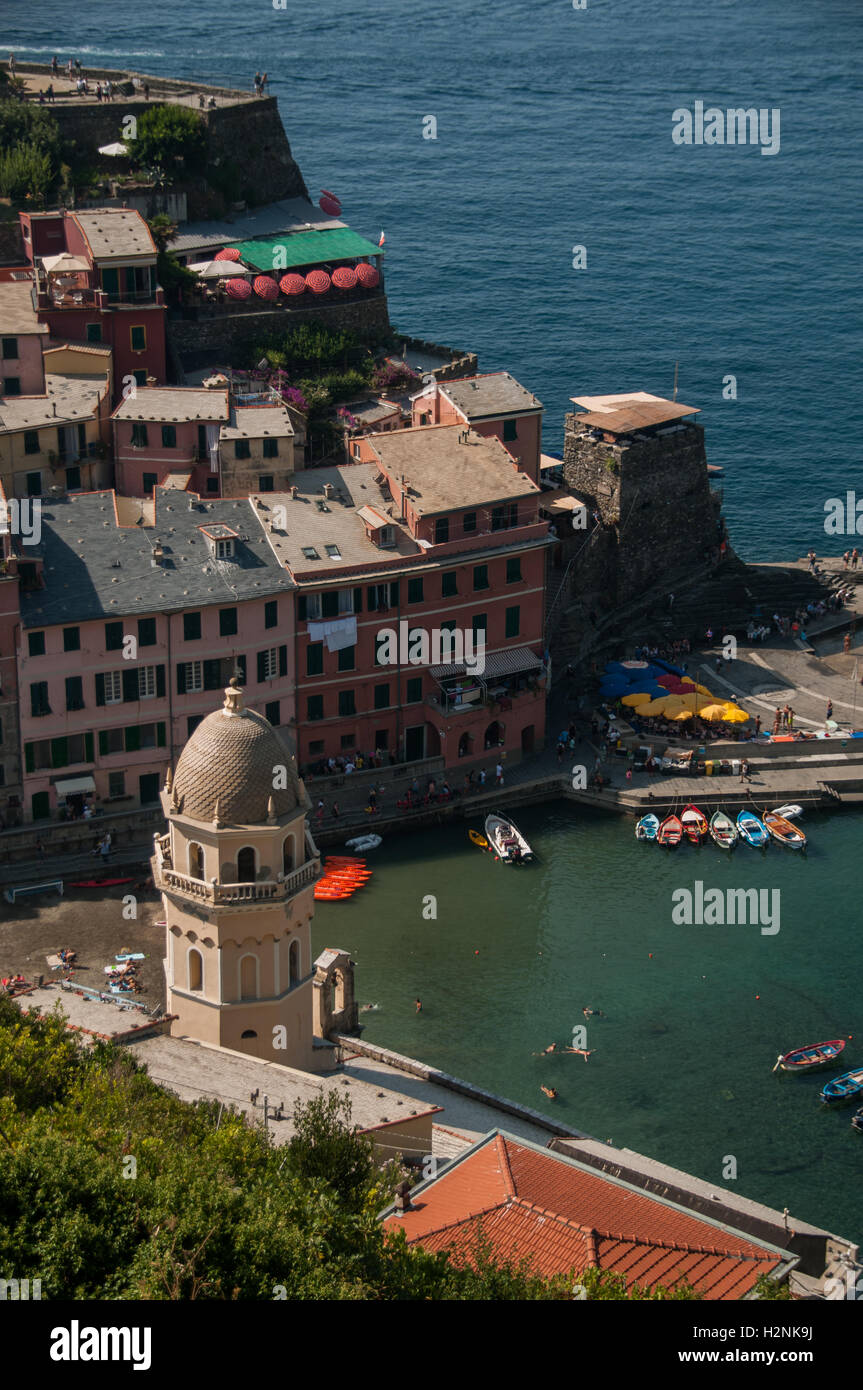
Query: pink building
x=169, y=430
x=145, y=610
x=492, y=404
x=23, y=336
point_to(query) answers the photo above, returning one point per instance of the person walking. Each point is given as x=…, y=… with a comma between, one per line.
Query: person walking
x=757, y=725
x=846, y=643
x=777, y=720
x=790, y=718
x=336, y=811
x=482, y=777
x=829, y=714
x=55, y=67
x=845, y=559
x=498, y=774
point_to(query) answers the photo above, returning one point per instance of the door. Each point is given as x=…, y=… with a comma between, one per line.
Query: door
x=41, y=805
x=415, y=742
x=148, y=788
x=527, y=739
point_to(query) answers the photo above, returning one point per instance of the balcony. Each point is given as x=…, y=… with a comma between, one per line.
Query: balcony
x=215, y=894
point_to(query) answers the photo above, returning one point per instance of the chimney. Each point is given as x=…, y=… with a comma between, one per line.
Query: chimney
x=328, y=490
x=158, y=553
x=403, y=1198
x=295, y=491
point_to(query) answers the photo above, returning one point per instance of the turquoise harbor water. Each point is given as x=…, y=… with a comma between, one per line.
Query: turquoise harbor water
x=554, y=130
x=682, y=1067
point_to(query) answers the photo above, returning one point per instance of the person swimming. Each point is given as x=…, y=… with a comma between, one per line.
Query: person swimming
x=549, y=1091
x=581, y=1051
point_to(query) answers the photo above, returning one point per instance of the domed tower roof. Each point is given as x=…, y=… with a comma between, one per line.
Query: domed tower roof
x=225, y=771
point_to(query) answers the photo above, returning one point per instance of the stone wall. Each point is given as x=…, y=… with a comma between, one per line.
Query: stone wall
x=11, y=244
x=654, y=493
x=224, y=333
x=461, y=364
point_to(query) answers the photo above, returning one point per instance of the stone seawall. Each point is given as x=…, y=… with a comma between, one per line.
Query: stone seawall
x=229, y=332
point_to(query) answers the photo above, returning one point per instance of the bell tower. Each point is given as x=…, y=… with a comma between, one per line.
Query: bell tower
x=236, y=871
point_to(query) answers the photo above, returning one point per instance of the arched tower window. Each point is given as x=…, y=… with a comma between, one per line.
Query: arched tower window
x=246, y=865
x=196, y=860
x=195, y=965
x=249, y=977
x=288, y=854
x=294, y=959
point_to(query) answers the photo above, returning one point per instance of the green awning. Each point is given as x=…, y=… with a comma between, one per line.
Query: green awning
x=306, y=248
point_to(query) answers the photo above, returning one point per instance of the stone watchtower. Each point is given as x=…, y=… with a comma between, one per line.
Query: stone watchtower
x=236, y=871
x=640, y=463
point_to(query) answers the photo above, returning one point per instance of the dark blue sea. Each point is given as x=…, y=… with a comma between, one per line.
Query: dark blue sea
x=553, y=130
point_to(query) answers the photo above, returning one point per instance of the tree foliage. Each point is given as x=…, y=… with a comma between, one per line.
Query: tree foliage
x=29, y=149
x=168, y=137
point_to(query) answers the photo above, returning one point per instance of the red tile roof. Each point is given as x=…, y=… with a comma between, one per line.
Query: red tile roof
x=564, y=1217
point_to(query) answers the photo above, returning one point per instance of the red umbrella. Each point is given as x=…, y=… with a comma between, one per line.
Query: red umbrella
x=331, y=206
x=327, y=194
x=230, y=253
x=238, y=289
x=344, y=278
x=292, y=284
x=318, y=281
x=367, y=275
x=266, y=287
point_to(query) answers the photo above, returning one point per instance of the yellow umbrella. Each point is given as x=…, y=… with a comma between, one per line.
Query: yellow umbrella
x=677, y=702
x=634, y=700
x=735, y=715
x=651, y=707
x=714, y=711
x=682, y=714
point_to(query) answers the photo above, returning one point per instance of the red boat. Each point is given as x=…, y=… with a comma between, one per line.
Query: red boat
x=99, y=882
x=670, y=831
x=694, y=824
x=802, y=1058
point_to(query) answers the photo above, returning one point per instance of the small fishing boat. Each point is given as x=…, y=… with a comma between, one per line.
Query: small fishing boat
x=804, y=1058
x=857, y=1120
x=752, y=830
x=844, y=1087
x=789, y=812
x=783, y=831
x=694, y=824
x=506, y=840
x=647, y=828
x=670, y=831
x=363, y=842
x=723, y=830
x=478, y=839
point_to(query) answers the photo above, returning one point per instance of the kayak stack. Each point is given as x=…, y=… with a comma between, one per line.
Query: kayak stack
x=343, y=876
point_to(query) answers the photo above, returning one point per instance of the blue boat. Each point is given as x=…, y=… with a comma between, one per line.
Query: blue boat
x=752, y=830
x=844, y=1087
x=647, y=828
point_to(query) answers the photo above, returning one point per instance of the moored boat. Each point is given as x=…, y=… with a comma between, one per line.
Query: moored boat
x=647, y=828
x=788, y=812
x=506, y=840
x=694, y=824
x=815, y=1055
x=752, y=830
x=723, y=830
x=844, y=1087
x=670, y=831
x=857, y=1120
x=363, y=842
x=783, y=831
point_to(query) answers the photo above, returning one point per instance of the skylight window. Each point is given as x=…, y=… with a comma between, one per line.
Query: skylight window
x=309, y=553
x=333, y=552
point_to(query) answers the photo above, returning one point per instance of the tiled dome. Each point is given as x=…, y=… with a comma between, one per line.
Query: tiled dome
x=227, y=767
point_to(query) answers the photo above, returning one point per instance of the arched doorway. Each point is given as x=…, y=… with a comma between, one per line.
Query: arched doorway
x=249, y=977
x=464, y=744
x=246, y=865
x=288, y=854
x=196, y=860
x=294, y=962
x=493, y=734
x=195, y=966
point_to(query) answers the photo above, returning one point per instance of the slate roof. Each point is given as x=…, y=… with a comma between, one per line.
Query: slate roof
x=17, y=315
x=256, y=422
x=81, y=541
x=116, y=233
x=68, y=399
x=445, y=474
x=288, y=215
x=565, y=1216
x=489, y=397
x=174, y=403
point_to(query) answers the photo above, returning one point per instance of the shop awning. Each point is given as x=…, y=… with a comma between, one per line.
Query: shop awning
x=73, y=786
x=317, y=247
x=515, y=661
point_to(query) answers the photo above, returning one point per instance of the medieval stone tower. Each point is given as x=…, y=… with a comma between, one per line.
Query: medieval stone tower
x=236, y=871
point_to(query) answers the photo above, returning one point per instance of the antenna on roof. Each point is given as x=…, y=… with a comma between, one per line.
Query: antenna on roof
x=674, y=396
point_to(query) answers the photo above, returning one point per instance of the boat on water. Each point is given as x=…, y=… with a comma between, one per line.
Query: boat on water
x=694, y=824
x=363, y=842
x=783, y=831
x=670, y=831
x=857, y=1120
x=815, y=1055
x=723, y=830
x=478, y=839
x=788, y=812
x=844, y=1087
x=506, y=840
x=647, y=828
x=752, y=830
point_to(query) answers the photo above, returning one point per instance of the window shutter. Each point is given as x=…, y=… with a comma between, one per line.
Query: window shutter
x=371, y=597
x=160, y=734
x=181, y=678
x=88, y=748
x=160, y=680
x=59, y=752
x=132, y=738
x=103, y=741
x=241, y=666
x=262, y=667
x=212, y=674
x=283, y=661
x=301, y=607
x=100, y=688
x=130, y=686
x=29, y=757
x=358, y=600
x=394, y=594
